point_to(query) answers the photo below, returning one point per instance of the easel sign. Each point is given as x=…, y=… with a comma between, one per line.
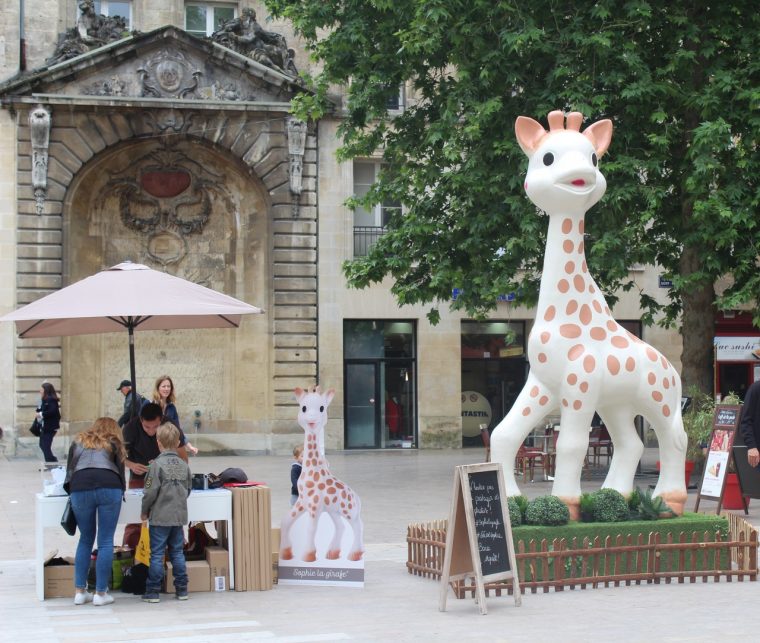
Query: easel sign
x=725, y=425
x=479, y=534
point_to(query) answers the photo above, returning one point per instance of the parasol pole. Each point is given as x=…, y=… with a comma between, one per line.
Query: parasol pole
x=131, y=330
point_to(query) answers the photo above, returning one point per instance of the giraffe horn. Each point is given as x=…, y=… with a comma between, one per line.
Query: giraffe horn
x=574, y=120
x=556, y=120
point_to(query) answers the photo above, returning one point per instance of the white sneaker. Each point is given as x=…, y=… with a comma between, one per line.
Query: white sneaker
x=102, y=599
x=82, y=597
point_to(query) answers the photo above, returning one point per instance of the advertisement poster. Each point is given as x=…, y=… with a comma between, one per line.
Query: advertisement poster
x=716, y=464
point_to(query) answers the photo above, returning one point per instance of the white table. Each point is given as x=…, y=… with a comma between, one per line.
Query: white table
x=211, y=504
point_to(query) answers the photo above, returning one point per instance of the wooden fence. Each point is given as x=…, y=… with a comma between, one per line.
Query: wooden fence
x=597, y=562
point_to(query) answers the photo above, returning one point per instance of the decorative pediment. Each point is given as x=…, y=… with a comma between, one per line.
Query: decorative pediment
x=163, y=64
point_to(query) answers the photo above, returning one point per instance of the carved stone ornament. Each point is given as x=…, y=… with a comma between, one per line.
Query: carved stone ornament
x=92, y=31
x=246, y=36
x=39, y=125
x=169, y=75
x=113, y=86
x=297, y=130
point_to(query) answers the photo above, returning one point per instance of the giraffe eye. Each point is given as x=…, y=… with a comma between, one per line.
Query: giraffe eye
x=594, y=159
x=303, y=409
x=321, y=409
x=548, y=158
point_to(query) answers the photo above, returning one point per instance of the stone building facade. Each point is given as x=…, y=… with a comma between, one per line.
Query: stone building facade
x=178, y=152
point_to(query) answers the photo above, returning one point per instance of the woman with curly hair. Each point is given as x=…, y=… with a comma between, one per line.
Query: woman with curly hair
x=95, y=480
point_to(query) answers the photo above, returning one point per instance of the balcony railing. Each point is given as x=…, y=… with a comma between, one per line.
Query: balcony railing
x=365, y=237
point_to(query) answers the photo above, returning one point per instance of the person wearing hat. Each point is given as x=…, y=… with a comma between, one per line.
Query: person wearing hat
x=126, y=390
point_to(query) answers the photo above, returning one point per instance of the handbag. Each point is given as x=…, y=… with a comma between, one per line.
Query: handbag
x=142, y=551
x=68, y=519
x=36, y=428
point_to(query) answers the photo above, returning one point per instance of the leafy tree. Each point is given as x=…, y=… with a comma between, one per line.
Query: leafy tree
x=680, y=80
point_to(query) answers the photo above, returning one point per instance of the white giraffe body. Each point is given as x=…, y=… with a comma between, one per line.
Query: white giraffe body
x=318, y=490
x=581, y=360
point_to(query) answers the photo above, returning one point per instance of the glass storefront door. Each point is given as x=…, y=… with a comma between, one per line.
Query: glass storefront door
x=380, y=393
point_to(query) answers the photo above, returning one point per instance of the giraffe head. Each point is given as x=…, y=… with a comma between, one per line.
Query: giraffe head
x=312, y=408
x=563, y=174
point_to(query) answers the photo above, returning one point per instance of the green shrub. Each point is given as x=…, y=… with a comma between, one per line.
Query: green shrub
x=515, y=515
x=653, y=507
x=587, y=507
x=522, y=503
x=609, y=506
x=634, y=500
x=547, y=510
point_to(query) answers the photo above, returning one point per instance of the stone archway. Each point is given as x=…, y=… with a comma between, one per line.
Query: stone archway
x=187, y=207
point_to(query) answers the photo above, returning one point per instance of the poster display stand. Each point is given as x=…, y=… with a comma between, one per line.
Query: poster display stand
x=719, y=454
x=479, y=534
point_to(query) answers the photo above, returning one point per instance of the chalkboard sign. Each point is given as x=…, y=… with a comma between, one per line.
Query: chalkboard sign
x=726, y=416
x=490, y=528
x=478, y=534
x=719, y=453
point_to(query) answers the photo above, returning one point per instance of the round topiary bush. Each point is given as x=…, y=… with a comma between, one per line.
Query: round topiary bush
x=547, y=510
x=515, y=515
x=609, y=506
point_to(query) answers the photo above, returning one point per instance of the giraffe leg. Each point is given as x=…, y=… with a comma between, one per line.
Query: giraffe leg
x=286, y=550
x=333, y=549
x=357, y=547
x=572, y=445
x=627, y=452
x=509, y=434
x=671, y=484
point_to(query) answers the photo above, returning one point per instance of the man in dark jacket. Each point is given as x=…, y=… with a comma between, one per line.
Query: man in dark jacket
x=126, y=390
x=750, y=423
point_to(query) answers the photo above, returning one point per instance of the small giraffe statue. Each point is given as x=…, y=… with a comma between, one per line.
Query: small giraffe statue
x=318, y=490
x=581, y=360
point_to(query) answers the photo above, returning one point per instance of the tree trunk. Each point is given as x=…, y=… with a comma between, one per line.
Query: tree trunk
x=697, y=328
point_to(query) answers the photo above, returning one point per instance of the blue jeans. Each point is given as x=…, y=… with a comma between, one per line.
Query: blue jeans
x=160, y=538
x=46, y=445
x=96, y=510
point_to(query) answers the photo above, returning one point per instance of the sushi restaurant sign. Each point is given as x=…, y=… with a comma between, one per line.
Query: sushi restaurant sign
x=737, y=349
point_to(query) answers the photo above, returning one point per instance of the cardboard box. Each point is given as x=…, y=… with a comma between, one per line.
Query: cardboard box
x=59, y=580
x=218, y=561
x=275, y=553
x=252, y=530
x=198, y=577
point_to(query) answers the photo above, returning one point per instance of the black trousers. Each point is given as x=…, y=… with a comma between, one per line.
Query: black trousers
x=46, y=445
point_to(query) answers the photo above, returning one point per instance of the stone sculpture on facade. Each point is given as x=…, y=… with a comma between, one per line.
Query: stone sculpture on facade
x=91, y=31
x=39, y=126
x=581, y=359
x=247, y=37
x=296, y=146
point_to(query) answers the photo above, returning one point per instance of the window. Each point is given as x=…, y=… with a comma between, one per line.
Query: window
x=204, y=18
x=114, y=8
x=369, y=225
x=397, y=102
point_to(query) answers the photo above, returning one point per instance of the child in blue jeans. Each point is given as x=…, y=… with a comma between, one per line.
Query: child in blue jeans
x=164, y=505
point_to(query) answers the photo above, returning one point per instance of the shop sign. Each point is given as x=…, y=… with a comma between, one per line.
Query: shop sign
x=737, y=349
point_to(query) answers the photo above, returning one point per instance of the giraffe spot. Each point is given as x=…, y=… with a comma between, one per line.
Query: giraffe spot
x=526, y=411
x=549, y=314
x=651, y=378
x=542, y=358
x=666, y=410
x=567, y=246
x=570, y=267
x=343, y=493
x=589, y=363
x=577, y=404
x=598, y=333
x=619, y=342
x=567, y=225
x=673, y=380
x=579, y=283
x=664, y=363
x=563, y=286
x=581, y=226
x=583, y=387
x=564, y=402
x=321, y=486
x=575, y=352
x=570, y=331
x=607, y=310
x=584, y=268
x=329, y=481
x=591, y=289
x=327, y=500
x=613, y=365
x=310, y=492
x=316, y=476
x=545, y=336
x=331, y=490
x=630, y=364
x=665, y=382
x=651, y=353
x=543, y=400
x=657, y=396
x=585, y=315
x=534, y=391
x=572, y=306
x=309, y=483
x=597, y=306
x=350, y=506
x=580, y=248
x=323, y=472
x=572, y=379
x=611, y=326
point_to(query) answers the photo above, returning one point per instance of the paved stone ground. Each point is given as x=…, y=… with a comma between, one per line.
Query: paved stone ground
x=396, y=488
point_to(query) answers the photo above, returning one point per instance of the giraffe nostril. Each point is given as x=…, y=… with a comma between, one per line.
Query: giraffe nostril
x=579, y=182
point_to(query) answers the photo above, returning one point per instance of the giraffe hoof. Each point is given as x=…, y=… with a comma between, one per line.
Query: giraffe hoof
x=286, y=554
x=310, y=557
x=333, y=554
x=355, y=555
x=573, y=506
x=676, y=500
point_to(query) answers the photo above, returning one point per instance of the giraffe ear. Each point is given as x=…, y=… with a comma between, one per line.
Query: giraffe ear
x=529, y=134
x=329, y=395
x=600, y=135
x=299, y=393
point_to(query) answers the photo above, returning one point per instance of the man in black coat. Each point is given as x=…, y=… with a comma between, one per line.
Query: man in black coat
x=750, y=423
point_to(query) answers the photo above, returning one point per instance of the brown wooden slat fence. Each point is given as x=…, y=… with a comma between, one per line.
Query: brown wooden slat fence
x=623, y=559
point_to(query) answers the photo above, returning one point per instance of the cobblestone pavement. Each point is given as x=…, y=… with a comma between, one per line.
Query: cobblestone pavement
x=397, y=488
